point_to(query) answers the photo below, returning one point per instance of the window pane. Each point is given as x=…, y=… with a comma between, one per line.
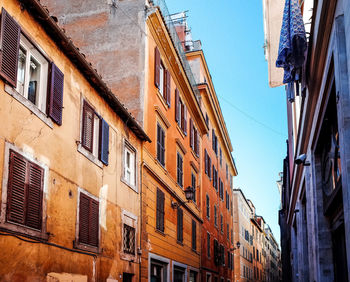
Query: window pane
x=34, y=79
x=21, y=70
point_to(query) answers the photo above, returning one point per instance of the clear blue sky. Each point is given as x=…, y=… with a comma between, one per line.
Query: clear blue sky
x=232, y=39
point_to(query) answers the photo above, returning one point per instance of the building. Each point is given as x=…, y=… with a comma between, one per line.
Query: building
x=69, y=160
x=314, y=216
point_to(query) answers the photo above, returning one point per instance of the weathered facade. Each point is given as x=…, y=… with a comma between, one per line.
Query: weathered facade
x=69, y=161
x=314, y=215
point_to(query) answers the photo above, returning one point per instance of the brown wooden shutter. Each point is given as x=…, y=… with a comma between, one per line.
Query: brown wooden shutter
x=177, y=108
x=179, y=224
x=56, y=94
x=84, y=210
x=197, y=147
x=16, y=188
x=34, y=194
x=209, y=167
x=191, y=134
x=9, y=44
x=88, y=127
x=156, y=67
x=205, y=161
x=160, y=210
x=185, y=120
x=167, y=85
x=194, y=235
x=93, y=222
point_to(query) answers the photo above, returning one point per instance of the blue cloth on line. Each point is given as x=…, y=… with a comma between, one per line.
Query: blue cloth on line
x=292, y=47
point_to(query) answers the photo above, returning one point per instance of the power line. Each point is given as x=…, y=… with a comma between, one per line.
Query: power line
x=251, y=117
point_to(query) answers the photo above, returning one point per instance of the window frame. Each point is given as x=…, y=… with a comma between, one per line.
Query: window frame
x=12, y=226
x=128, y=218
x=180, y=169
x=162, y=146
x=128, y=147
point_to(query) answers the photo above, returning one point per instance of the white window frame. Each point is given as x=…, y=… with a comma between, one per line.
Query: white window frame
x=128, y=148
x=32, y=51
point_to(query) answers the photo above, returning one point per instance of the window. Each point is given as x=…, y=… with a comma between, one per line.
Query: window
x=227, y=200
x=180, y=112
x=179, y=225
x=220, y=157
x=24, y=192
x=228, y=232
x=160, y=145
x=26, y=69
x=160, y=210
x=162, y=77
x=194, y=138
x=221, y=189
x=226, y=172
x=129, y=164
x=94, y=134
x=208, y=244
x=88, y=220
x=129, y=239
x=231, y=236
x=215, y=216
x=193, y=184
x=214, y=142
x=208, y=207
x=215, y=178
x=207, y=164
x=221, y=223
x=179, y=169
x=194, y=235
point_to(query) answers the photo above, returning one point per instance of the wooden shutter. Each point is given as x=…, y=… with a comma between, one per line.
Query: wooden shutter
x=177, y=108
x=191, y=134
x=9, y=48
x=104, y=141
x=158, y=143
x=167, y=87
x=162, y=135
x=179, y=224
x=213, y=139
x=194, y=235
x=34, y=194
x=88, y=127
x=16, y=188
x=206, y=161
x=93, y=222
x=160, y=210
x=198, y=142
x=84, y=207
x=209, y=167
x=156, y=67
x=56, y=94
x=185, y=119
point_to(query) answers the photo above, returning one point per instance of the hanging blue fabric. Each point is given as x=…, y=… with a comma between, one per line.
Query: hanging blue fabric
x=292, y=47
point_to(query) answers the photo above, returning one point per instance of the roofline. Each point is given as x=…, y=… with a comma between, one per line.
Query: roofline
x=42, y=16
x=240, y=190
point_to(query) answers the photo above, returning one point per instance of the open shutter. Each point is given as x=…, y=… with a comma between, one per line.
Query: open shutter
x=93, y=222
x=84, y=207
x=167, y=85
x=35, y=195
x=104, y=151
x=16, y=188
x=156, y=67
x=185, y=120
x=88, y=127
x=9, y=48
x=176, y=105
x=56, y=94
x=191, y=134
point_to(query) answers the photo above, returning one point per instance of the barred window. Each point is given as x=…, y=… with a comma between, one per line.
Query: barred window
x=129, y=239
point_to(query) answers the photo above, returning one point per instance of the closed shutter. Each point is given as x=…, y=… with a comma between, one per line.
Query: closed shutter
x=179, y=224
x=177, y=108
x=158, y=143
x=156, y=67
x=9, y=48
x=56, y=94
x=162, y=143
x=84, y=207
x=16, y=189
x=191, y=134
x=197, y=143
x=167, y=85
x=94, y=224
x=88, y=127
x=185, y=119
x=160, y=210
x=206, y=161
x=194, y=235
x=104, y=150
x=209, y=167
x=34, y=201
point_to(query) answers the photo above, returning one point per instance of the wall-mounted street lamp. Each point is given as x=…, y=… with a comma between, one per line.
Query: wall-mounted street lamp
x=238, y=245
x=189, y=194
x=301, y=159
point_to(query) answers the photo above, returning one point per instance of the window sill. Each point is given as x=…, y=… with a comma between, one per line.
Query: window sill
x=160, y=165
x=195, y=155
x=128, y=257
x=24, y=230
x=83, y=247
x=29, y=105
x=160, y=232
x=161, y=98
x=179, y=242
x=183, y=135
x=89, y=156
x=133, y=187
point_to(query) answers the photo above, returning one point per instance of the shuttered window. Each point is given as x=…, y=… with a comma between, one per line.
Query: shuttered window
x=205, y=161
x=160, y=210
x=216, y=252
x=193, y=184
x=88, y=220
x=194, y=235
x=179, y=169
x=167, y=92
x=180, y=112
x=228, y=232
x=25, y=68
x=156, y=67
x=95, y=134
x=208, y=244
x=221, y=223
x=179, y=225
x=215, y=216
x=25, y=192
x=208, y=206
x=160, y=144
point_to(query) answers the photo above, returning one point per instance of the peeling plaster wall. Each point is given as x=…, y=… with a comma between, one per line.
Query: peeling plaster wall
x=68, y=170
